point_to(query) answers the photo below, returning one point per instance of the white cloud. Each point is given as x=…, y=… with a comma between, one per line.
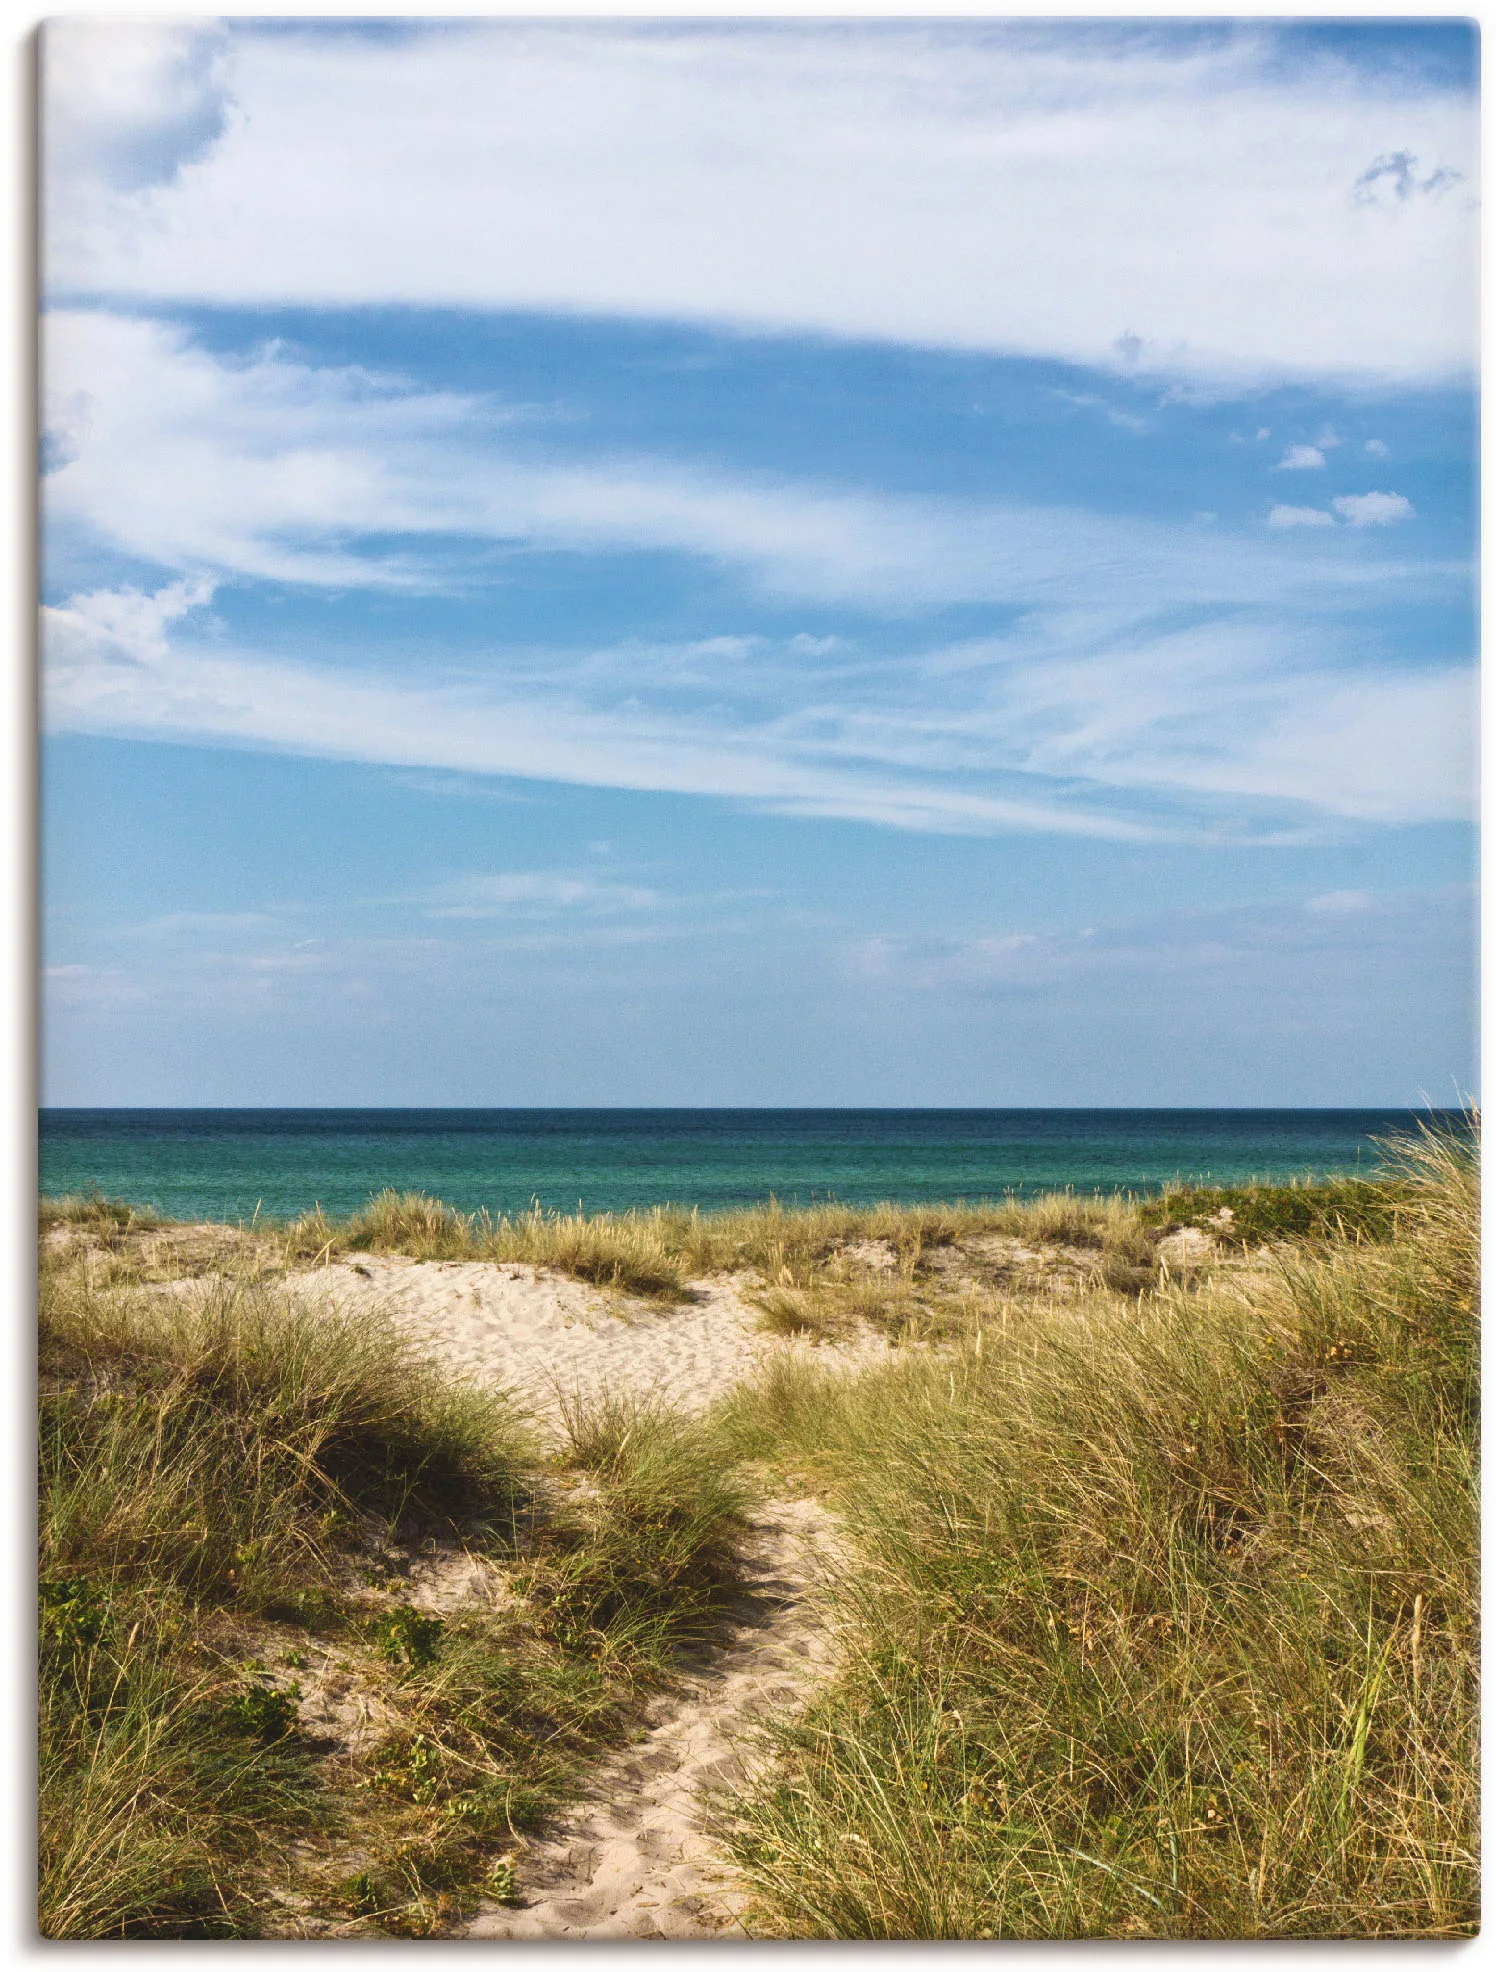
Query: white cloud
x=259, y=701
x=263, y=466
x=1376, y=448
x=194, y=923
x=1341, y=903
x=1108, y=196
x=1229, y=713
x=1089, y=723
x=267, y=466
x=130, y=102
x=1282, y=516
x=1373, y=509
x=125, y=625
x=1087, y=400
x=1301, y=458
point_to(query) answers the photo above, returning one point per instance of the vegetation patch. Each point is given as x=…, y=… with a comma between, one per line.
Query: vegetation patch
x=1156, y=1604
x=1162, y=1614
x=1256, y=1215
x=226, y=1479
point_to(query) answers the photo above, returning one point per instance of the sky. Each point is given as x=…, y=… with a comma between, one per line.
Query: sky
x=753, y=562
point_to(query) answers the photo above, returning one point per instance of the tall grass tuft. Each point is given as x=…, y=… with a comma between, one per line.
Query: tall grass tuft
x=199, y=1457
x=91, y=1211
x=154, y=1404
x=149, y=1807
x=647, y=1562
x=1162, y=1612
x=629, y=1251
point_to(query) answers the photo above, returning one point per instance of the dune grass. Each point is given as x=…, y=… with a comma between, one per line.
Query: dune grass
x=655, y=1254
x=214, y=1470
x=92, y=1211
x=1250, y=1215
x=149, y=1406
x=1160, y=1614
x=200, y=1464
x=1157, y=1603
x=644, y=1561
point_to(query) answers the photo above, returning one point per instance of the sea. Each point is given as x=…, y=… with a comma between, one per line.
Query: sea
x=234, y=1164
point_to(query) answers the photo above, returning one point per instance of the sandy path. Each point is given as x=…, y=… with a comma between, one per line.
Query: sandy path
x=540, y=1333
x=631, y=1860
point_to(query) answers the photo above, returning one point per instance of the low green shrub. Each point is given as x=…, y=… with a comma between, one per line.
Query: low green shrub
x=406, y=1636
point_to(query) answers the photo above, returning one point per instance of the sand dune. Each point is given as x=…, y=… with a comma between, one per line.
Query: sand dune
x=544, y=1336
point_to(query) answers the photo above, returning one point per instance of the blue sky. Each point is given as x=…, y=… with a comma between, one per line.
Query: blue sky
x=731, y=563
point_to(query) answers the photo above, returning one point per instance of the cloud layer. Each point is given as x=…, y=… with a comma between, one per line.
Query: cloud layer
x=267, y=466
x=1070, y=728
x=1155, y=679
x=1176, y=199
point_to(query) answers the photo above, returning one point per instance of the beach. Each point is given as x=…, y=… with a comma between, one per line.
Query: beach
x=642, y=1577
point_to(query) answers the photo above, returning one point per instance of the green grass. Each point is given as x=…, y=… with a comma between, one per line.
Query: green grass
x=214, y=1443
x=152, y=1799
x=92, y=1211
x=1254, y=1215
x=646, y=1564
x=629, y=1252
x=1160, y=1615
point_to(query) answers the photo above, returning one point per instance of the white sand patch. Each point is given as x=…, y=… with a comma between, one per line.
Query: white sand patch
x=544, y=1336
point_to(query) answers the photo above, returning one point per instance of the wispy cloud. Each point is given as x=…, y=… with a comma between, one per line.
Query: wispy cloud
x=698, y=171
x=1301, y=458
x=537, y=892
x=200, y=924
x=478, y=729
x=1076, y=723
x=1087, y=400
x=269, y=467
x=1171, y=949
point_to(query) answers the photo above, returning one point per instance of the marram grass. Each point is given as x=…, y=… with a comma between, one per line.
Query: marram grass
x=656, y=1253
x=1160, y=1616
x=1156, y=1598
x=213, y=1470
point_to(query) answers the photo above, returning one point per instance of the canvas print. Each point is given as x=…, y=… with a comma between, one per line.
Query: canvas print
x=758, y=1133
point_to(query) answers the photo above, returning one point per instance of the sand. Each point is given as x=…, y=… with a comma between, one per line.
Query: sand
x=544, y=1337
x=634, y=1857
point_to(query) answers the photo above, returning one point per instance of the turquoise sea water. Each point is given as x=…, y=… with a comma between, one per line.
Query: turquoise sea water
x=228, y=1163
